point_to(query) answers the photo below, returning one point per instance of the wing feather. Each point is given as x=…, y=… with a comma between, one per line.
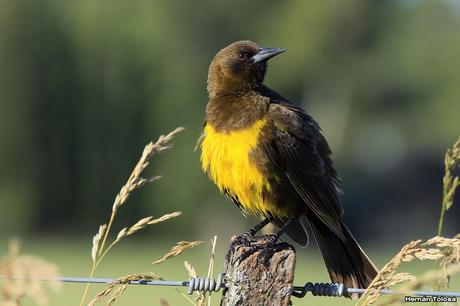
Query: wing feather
x=298, y=149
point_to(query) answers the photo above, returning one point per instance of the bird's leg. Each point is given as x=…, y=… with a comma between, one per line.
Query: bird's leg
x=270, y=246
x=245, y=238
x=274, y=238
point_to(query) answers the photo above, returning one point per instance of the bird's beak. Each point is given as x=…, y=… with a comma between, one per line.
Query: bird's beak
x=265, y=54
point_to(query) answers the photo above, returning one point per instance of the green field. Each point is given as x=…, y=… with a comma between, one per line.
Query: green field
x=135, y=256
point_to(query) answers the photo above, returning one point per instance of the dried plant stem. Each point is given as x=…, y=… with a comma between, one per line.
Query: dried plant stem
x=101, y=256
x=446, y=251
x=85, y=293
x=135, y=181
x=211, y=263
x=427, y=277
x=123, y=283
x=450, y=184
x=441, y=221
x=109, y=226
x=95, y=263
x=185, y=296
x=213, y=255
x=450, y=181
x=99, y=249
x=178, y=249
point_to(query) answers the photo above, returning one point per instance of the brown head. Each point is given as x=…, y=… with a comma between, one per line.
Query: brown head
x=238, y=67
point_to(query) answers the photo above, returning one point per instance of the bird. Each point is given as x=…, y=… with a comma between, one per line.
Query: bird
x=270, y=158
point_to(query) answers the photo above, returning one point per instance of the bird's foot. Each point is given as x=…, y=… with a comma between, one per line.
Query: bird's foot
x=269, y=248
x=244, y=240
x=267, y=245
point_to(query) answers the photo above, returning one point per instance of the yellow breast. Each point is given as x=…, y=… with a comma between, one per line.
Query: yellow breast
x=226, y=158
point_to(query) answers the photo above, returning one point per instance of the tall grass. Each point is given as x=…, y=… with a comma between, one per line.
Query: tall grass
x=202, y=298
x=100, y=246
x=450, y=184
x=116, y=288
x=445, y=251
x=450, y=181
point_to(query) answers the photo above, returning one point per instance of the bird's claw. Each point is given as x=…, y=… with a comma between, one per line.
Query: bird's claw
x=244, y=239
x=267, y=248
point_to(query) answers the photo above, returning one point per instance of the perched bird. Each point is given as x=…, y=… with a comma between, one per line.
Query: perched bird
x=269, y=156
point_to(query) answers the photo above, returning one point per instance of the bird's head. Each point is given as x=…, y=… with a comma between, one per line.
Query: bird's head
x=238, y=67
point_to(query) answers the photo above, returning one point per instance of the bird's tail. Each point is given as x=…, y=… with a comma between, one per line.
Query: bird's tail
x=345, y=260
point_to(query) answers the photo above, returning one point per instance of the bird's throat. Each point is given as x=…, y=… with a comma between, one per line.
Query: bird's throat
x=235, y=112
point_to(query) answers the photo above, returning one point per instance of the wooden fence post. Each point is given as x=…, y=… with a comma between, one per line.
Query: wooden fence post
x=255, y=281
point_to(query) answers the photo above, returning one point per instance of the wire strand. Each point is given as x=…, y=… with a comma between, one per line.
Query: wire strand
x=206, y=284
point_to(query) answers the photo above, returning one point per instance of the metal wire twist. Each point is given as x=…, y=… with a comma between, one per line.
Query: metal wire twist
x=209, y=285
x=319, y=289
x=206, y=284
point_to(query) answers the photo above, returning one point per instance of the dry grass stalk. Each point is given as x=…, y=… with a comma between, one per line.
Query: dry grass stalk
x=118, y=292
x=451, y=254
x=201, y=298
x=134, y=182
x=426, y=278
x=444, y=250
x=96, y=240
x=22, y=277
x=211, y=264
x=178, y=249
x=451, y=181
x=122, y=282
x=190, y=269
x=143, y=223
x=213, y=256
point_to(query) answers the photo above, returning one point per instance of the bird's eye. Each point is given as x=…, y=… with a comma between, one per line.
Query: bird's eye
x=242, y=55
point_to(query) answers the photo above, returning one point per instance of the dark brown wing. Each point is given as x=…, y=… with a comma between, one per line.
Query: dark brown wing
x=298, y=149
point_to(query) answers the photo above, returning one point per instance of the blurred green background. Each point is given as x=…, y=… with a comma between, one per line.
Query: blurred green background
x=84, y=85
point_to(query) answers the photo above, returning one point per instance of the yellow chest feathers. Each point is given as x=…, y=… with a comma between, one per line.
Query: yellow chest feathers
x=226, y=158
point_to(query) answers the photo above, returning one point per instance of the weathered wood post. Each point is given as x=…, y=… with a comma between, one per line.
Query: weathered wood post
x=255, y=280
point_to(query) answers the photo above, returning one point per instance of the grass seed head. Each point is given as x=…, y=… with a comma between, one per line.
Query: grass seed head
x=22, y=274
x=178, y=249
x=446, y=251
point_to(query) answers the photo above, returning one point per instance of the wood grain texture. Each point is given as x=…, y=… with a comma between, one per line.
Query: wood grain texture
x=257, y=281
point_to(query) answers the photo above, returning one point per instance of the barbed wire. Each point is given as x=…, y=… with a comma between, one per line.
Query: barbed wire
x=207, y=284
x=338, y=289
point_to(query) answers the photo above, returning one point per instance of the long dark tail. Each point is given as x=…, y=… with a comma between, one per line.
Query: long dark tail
x=345, y=260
